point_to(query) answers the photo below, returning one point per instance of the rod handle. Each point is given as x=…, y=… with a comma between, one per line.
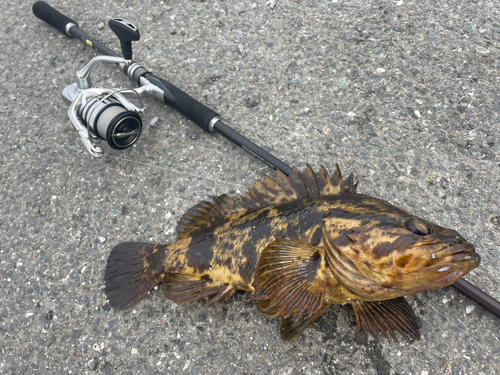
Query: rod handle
x=200, y=114
x=48, y=14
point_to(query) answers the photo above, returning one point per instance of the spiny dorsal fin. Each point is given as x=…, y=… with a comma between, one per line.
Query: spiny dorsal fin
x=269, y=192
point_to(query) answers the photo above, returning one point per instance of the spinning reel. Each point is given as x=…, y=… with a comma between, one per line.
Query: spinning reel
x=100, y=113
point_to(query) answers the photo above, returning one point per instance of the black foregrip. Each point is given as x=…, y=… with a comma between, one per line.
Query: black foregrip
x=45, y=12
x=200, y=114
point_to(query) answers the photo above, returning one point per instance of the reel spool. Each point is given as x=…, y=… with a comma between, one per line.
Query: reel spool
x=106, y=118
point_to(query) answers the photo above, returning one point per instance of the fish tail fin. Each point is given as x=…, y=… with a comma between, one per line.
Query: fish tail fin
x=132, y=270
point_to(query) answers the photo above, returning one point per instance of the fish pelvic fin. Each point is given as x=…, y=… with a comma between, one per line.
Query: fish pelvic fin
x=290, y=280
x=387, y=317
x=281, y=189
x=291, y=327
x=132, y=271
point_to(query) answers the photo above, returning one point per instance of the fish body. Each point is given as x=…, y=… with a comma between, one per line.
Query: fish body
x=299, y=243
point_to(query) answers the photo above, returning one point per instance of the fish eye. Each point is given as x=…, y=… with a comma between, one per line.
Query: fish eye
x=419, y=227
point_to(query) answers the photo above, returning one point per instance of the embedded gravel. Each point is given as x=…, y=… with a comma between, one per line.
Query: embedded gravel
x=405, y=94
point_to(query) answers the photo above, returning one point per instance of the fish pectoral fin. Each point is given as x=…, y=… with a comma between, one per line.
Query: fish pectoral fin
x=290, y=279
x=181, y=288
x=291, y=327
x=387, y=317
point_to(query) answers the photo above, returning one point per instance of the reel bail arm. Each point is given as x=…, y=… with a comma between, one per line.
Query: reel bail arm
x=83, y=80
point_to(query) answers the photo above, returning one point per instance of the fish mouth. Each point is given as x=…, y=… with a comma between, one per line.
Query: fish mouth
x=461, y=260
x=439, y=257
x=458, y=254
x=434, y=265
x=451, y=263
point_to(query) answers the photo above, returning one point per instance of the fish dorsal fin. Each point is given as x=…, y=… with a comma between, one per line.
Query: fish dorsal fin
x=290, y=279
x=269, y=192
x=206, y=214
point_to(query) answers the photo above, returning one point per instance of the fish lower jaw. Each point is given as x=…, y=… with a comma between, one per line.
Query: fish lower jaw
x=451, y=278
x=380, y=292
x=440, y=283
x=461, y=263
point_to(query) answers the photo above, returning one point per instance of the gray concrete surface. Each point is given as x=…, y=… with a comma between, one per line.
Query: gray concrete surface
x=403, y=93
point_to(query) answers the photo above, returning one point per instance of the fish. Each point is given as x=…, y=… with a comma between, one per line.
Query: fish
x=299, y=243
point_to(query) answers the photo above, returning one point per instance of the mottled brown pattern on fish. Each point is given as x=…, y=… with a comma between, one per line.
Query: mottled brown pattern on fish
x=299, y=243
x=229, y=251
x=365, y=227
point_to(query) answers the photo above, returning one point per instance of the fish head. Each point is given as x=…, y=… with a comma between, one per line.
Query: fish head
x=379, y=251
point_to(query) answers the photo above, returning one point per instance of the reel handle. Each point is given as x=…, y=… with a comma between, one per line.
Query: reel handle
x=48, y=14
x=127, y=33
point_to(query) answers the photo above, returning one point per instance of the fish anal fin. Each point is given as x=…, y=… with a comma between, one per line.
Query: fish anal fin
x=387, y=317
x=290, y=279
x=262, y=306
x=182, y=289
x=291, y=327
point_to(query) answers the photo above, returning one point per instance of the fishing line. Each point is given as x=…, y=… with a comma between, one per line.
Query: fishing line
x=174, y=170
x=461, y=330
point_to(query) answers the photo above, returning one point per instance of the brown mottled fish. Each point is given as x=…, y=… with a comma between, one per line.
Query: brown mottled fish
x=299, y=243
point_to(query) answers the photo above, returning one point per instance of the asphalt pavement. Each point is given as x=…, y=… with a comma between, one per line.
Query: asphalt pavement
x=405, y=94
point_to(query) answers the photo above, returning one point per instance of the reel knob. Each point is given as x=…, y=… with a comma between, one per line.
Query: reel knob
x=126, y=32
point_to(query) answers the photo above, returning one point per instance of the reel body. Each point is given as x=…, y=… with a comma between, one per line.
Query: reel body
x=99, y=113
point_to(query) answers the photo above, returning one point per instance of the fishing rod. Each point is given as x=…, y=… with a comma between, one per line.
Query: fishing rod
x=108, y=114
